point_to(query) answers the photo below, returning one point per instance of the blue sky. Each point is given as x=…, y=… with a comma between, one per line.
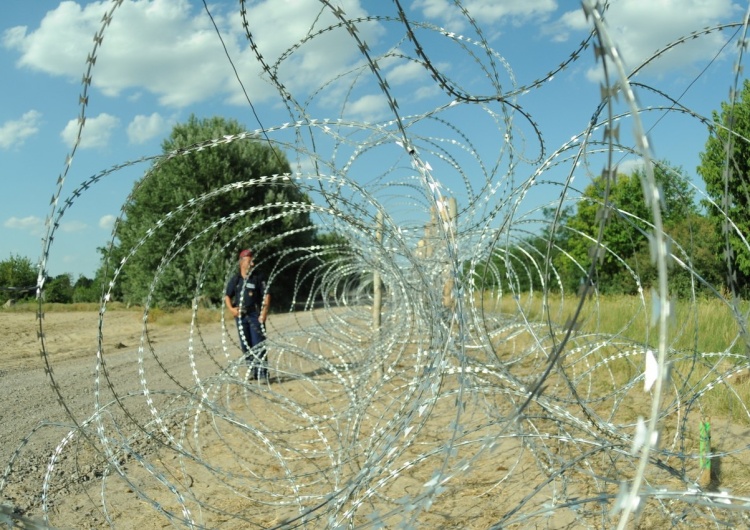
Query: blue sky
x=161, y=60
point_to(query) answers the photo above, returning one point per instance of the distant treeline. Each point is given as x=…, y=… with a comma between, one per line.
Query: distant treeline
x=18, y=282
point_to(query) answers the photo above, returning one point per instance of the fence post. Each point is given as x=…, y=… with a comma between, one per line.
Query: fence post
x=704, y=459
x=448, y=285
x=377, y=295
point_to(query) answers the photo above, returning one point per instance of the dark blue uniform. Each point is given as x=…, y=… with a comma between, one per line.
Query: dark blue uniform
x=247, y=294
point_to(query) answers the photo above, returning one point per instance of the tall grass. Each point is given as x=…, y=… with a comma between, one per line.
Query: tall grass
x=707, y=350
x=33, y=306
x=156, y=315
x=701, y=325
x=182, y=316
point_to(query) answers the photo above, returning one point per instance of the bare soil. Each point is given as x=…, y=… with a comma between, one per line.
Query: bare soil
x=158, y=426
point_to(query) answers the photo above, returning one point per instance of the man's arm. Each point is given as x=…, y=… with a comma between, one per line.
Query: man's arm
x=234, y=310
x=264, y=308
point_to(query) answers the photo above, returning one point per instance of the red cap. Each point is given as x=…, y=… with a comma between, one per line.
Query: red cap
x=246, y=252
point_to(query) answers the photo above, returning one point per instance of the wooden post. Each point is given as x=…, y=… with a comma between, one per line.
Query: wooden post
x=448, y=284
x=430, y=233
x=377, y=295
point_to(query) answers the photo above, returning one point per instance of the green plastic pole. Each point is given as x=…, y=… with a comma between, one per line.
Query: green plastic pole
x=705, y=445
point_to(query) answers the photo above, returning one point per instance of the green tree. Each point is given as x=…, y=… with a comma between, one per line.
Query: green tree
x=192, y=212
x=86, y=290
x=554, y=239
x=693, y=241
x=331, y=251
x=625, y=240
x=59, y=289
x=527, y=260
x=725, y=168
x=17, y=279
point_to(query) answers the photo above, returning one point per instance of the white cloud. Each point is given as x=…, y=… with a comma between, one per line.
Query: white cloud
x=106, y=222
x=96, y=132
x=169, y=48
x=31, y=224
x=641, y=27
x=307, y=165
x=13, y=133
x=630, y=166
x=406, y=72
x=315, y=61
x=426, y=92
x=413, y=72
x=371, y=108
x=144, y=128
x=561, y=29
x=73, y=226
x=145, y=45
x=485, y=11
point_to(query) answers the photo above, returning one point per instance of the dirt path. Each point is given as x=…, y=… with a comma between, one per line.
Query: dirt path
x=170, y=433
x=189, y=441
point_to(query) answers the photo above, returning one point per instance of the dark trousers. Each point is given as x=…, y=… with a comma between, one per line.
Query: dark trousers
x=251, y=336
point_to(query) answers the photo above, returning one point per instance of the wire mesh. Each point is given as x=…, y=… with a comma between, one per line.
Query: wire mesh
x=489, y=395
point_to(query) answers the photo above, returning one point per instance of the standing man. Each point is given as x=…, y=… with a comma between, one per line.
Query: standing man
x=248, y=301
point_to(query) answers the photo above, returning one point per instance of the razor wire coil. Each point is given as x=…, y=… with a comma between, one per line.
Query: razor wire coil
x=385, y=428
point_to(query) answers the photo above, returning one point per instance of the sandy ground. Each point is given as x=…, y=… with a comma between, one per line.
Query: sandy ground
x=166, y=431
